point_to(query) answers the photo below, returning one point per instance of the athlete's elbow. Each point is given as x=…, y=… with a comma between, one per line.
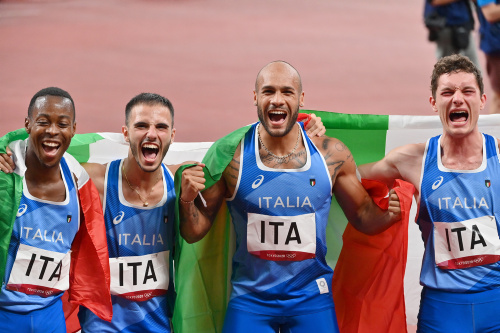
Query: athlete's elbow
x=191, y=234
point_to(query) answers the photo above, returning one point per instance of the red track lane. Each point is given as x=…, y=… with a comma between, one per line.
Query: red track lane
x=358, y=56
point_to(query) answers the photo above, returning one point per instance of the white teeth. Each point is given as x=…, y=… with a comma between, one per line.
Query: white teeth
x=277, y=112
x=150, y=146
x=51, y=144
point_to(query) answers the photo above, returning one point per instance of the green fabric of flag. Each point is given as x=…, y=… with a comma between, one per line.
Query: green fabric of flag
x=11, y=189
x=202, y=269
x=80, y=146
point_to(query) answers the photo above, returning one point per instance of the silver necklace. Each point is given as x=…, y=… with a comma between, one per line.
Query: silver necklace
x=280, y=159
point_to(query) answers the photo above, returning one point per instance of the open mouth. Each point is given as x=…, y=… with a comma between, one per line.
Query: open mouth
x=277, y=116
x=50, y=148
x=459, y=116
x=150, y=151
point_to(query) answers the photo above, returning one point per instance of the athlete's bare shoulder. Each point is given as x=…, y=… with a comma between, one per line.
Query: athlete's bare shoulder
x=411, y=152
x=95, y=170
x=327, y=144
x=97, y=173
x=232, y=172
x=337, y=155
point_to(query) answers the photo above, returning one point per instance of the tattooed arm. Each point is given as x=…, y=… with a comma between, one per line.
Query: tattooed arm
x=196, y=217
x=357, y=205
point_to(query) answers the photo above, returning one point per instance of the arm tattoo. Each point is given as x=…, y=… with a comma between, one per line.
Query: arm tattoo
x=340, y=146
x=334, y=167
x=231, y=173
x=326, y=141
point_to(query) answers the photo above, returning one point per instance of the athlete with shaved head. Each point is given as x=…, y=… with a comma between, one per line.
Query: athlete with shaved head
x=278, y=188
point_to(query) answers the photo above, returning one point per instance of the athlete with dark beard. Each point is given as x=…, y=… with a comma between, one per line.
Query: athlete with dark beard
x=278, y=188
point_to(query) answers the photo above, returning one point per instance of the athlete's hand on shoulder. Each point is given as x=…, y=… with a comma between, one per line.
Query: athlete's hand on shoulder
x=314, y=126
x=394, y=206
x=193, y=181
x=6, y=162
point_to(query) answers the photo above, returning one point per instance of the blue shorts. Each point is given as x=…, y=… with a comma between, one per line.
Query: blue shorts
x=46, y=320
x=247, y=322
x=459, y=312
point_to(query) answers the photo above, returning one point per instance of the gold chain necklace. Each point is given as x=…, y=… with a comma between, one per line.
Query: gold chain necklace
x=145, y=202
x=280, y=159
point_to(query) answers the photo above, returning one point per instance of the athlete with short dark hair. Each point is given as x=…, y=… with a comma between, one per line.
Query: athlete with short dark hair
x=455, y=175
x=49, y=230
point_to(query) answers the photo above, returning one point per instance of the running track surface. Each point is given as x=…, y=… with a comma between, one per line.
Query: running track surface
x=357, y=56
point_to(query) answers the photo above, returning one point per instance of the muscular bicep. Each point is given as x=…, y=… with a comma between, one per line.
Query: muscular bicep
x=381, y=170
x=350, y=194
x=337, y=156
x=404, y=163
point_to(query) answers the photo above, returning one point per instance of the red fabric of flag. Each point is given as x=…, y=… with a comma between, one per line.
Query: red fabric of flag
x=89, y=272
x=368, y=286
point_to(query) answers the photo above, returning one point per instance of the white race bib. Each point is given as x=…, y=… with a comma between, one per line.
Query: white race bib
x=469, y=243
x=279, y=238
x=39, y=272
x=140, y=278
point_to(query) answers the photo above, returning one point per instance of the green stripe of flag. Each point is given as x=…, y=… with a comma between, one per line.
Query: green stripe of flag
x=11, y=188
x=19, y=134
x=80, y=146
x=365, y=136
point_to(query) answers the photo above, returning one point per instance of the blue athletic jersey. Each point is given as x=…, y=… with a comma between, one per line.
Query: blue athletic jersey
x=459, y=222
x=136, y=232
x=489, y=33
x=456, y=13
x=44, y=226
x=280, y=218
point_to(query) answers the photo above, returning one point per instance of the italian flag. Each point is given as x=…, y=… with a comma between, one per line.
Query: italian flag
x=362, y=264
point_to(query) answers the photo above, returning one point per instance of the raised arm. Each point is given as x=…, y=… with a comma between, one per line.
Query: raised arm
x=197, y=215
x=357, y=205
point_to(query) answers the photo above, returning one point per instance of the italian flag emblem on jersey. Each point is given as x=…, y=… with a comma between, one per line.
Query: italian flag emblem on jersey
x=487, y=182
